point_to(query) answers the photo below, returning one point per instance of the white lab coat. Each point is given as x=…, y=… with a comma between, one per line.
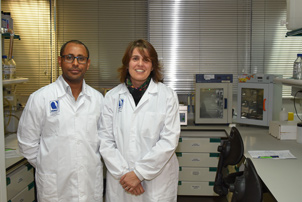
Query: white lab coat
x=143, y=139
x=59, y=137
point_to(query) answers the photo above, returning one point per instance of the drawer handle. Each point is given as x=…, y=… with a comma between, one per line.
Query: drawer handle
x=214, y=154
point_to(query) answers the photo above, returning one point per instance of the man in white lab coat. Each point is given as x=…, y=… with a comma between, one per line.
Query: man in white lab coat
x=140, y=131
x=58, y=133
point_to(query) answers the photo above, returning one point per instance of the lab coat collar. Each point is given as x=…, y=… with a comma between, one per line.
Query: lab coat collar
x=152, y=88
x=63, y=87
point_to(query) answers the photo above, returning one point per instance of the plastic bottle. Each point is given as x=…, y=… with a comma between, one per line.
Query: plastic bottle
x=283, y=115
x=5, y=68
x=3, y=20
x=297, y=74
x=9, y=20
x=12, y=68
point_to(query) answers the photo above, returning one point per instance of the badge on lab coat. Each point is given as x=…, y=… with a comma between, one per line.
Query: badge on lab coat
x=54, y=106
x=120, y=104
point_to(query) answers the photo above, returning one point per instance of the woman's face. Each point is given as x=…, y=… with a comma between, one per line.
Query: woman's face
x=139, y=67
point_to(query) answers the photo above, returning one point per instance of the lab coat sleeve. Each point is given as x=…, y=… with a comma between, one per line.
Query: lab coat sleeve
x=151, y=165
x=115, y=162
x=29, y=129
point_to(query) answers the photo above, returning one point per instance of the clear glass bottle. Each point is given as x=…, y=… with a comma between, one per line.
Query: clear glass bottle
x=297, y=73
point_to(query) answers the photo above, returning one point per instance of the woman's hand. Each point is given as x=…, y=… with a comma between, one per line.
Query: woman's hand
x=138, y=190
x=131, y=183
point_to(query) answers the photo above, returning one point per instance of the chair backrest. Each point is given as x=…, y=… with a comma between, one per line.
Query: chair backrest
x=231, y=152
x=248, y=187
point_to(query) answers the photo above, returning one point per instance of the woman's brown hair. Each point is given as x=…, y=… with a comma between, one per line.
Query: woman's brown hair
x=142, y=45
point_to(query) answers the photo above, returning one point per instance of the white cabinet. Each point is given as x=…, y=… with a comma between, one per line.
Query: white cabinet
x=198, y=159
x=20, y=183
x=19, y=174
x=27, y=194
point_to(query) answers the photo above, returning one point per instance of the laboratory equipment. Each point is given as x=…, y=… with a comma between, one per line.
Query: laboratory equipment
x=213, y=98
x=293, y=14
x=183, y=114
x=259, y=100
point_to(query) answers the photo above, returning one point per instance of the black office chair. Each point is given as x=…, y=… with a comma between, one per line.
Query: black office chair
x=231, y=153
x=246, y=185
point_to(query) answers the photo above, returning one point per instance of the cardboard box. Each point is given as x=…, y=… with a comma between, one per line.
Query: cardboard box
x=283, y=130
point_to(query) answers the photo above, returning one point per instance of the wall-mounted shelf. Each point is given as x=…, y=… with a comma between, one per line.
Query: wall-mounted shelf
x=289, y=82
x=296, y=32
x=7, y=36
x=14, y=81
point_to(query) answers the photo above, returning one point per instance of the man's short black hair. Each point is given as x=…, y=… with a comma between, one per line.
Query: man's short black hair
x=76, y=42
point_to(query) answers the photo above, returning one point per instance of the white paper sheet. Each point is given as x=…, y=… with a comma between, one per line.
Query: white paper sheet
x=12, y=153
x=272, y=154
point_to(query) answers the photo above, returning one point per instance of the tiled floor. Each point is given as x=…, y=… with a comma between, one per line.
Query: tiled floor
x=201, y=199
x=198, y=199
x=267, y=197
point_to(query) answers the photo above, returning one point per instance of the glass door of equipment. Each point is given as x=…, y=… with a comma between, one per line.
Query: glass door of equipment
x=253, y=103
x=211, y=103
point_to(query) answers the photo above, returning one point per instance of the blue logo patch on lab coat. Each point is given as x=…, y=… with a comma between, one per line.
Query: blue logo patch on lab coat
x=120, y=104
x=54, y=106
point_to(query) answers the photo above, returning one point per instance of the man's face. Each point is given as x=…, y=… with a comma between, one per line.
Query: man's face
x=73, y=72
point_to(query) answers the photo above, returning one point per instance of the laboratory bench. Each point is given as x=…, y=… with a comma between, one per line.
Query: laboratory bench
x=282, y=177
x=197, y=154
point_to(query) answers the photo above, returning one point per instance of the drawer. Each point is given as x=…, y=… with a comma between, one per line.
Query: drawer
x=198, y=159
x=197, y=174
x=17, y=180
x=187, y=144
x=26, y=195
x=196, y=188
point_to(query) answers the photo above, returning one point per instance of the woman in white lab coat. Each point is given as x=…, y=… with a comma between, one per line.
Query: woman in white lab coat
x=140, y=131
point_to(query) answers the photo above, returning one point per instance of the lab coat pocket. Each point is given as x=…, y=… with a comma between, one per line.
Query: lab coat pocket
x=47, y=186
x=91, y=126
x=152, y=124
x=51, y=125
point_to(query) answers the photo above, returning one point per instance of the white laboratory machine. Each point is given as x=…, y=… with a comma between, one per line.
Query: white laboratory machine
x=213, y=98
x=259, y=99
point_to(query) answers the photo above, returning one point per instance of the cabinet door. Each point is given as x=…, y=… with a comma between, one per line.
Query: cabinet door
x=197, y=159
x=197, y=144
x=19, y=179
